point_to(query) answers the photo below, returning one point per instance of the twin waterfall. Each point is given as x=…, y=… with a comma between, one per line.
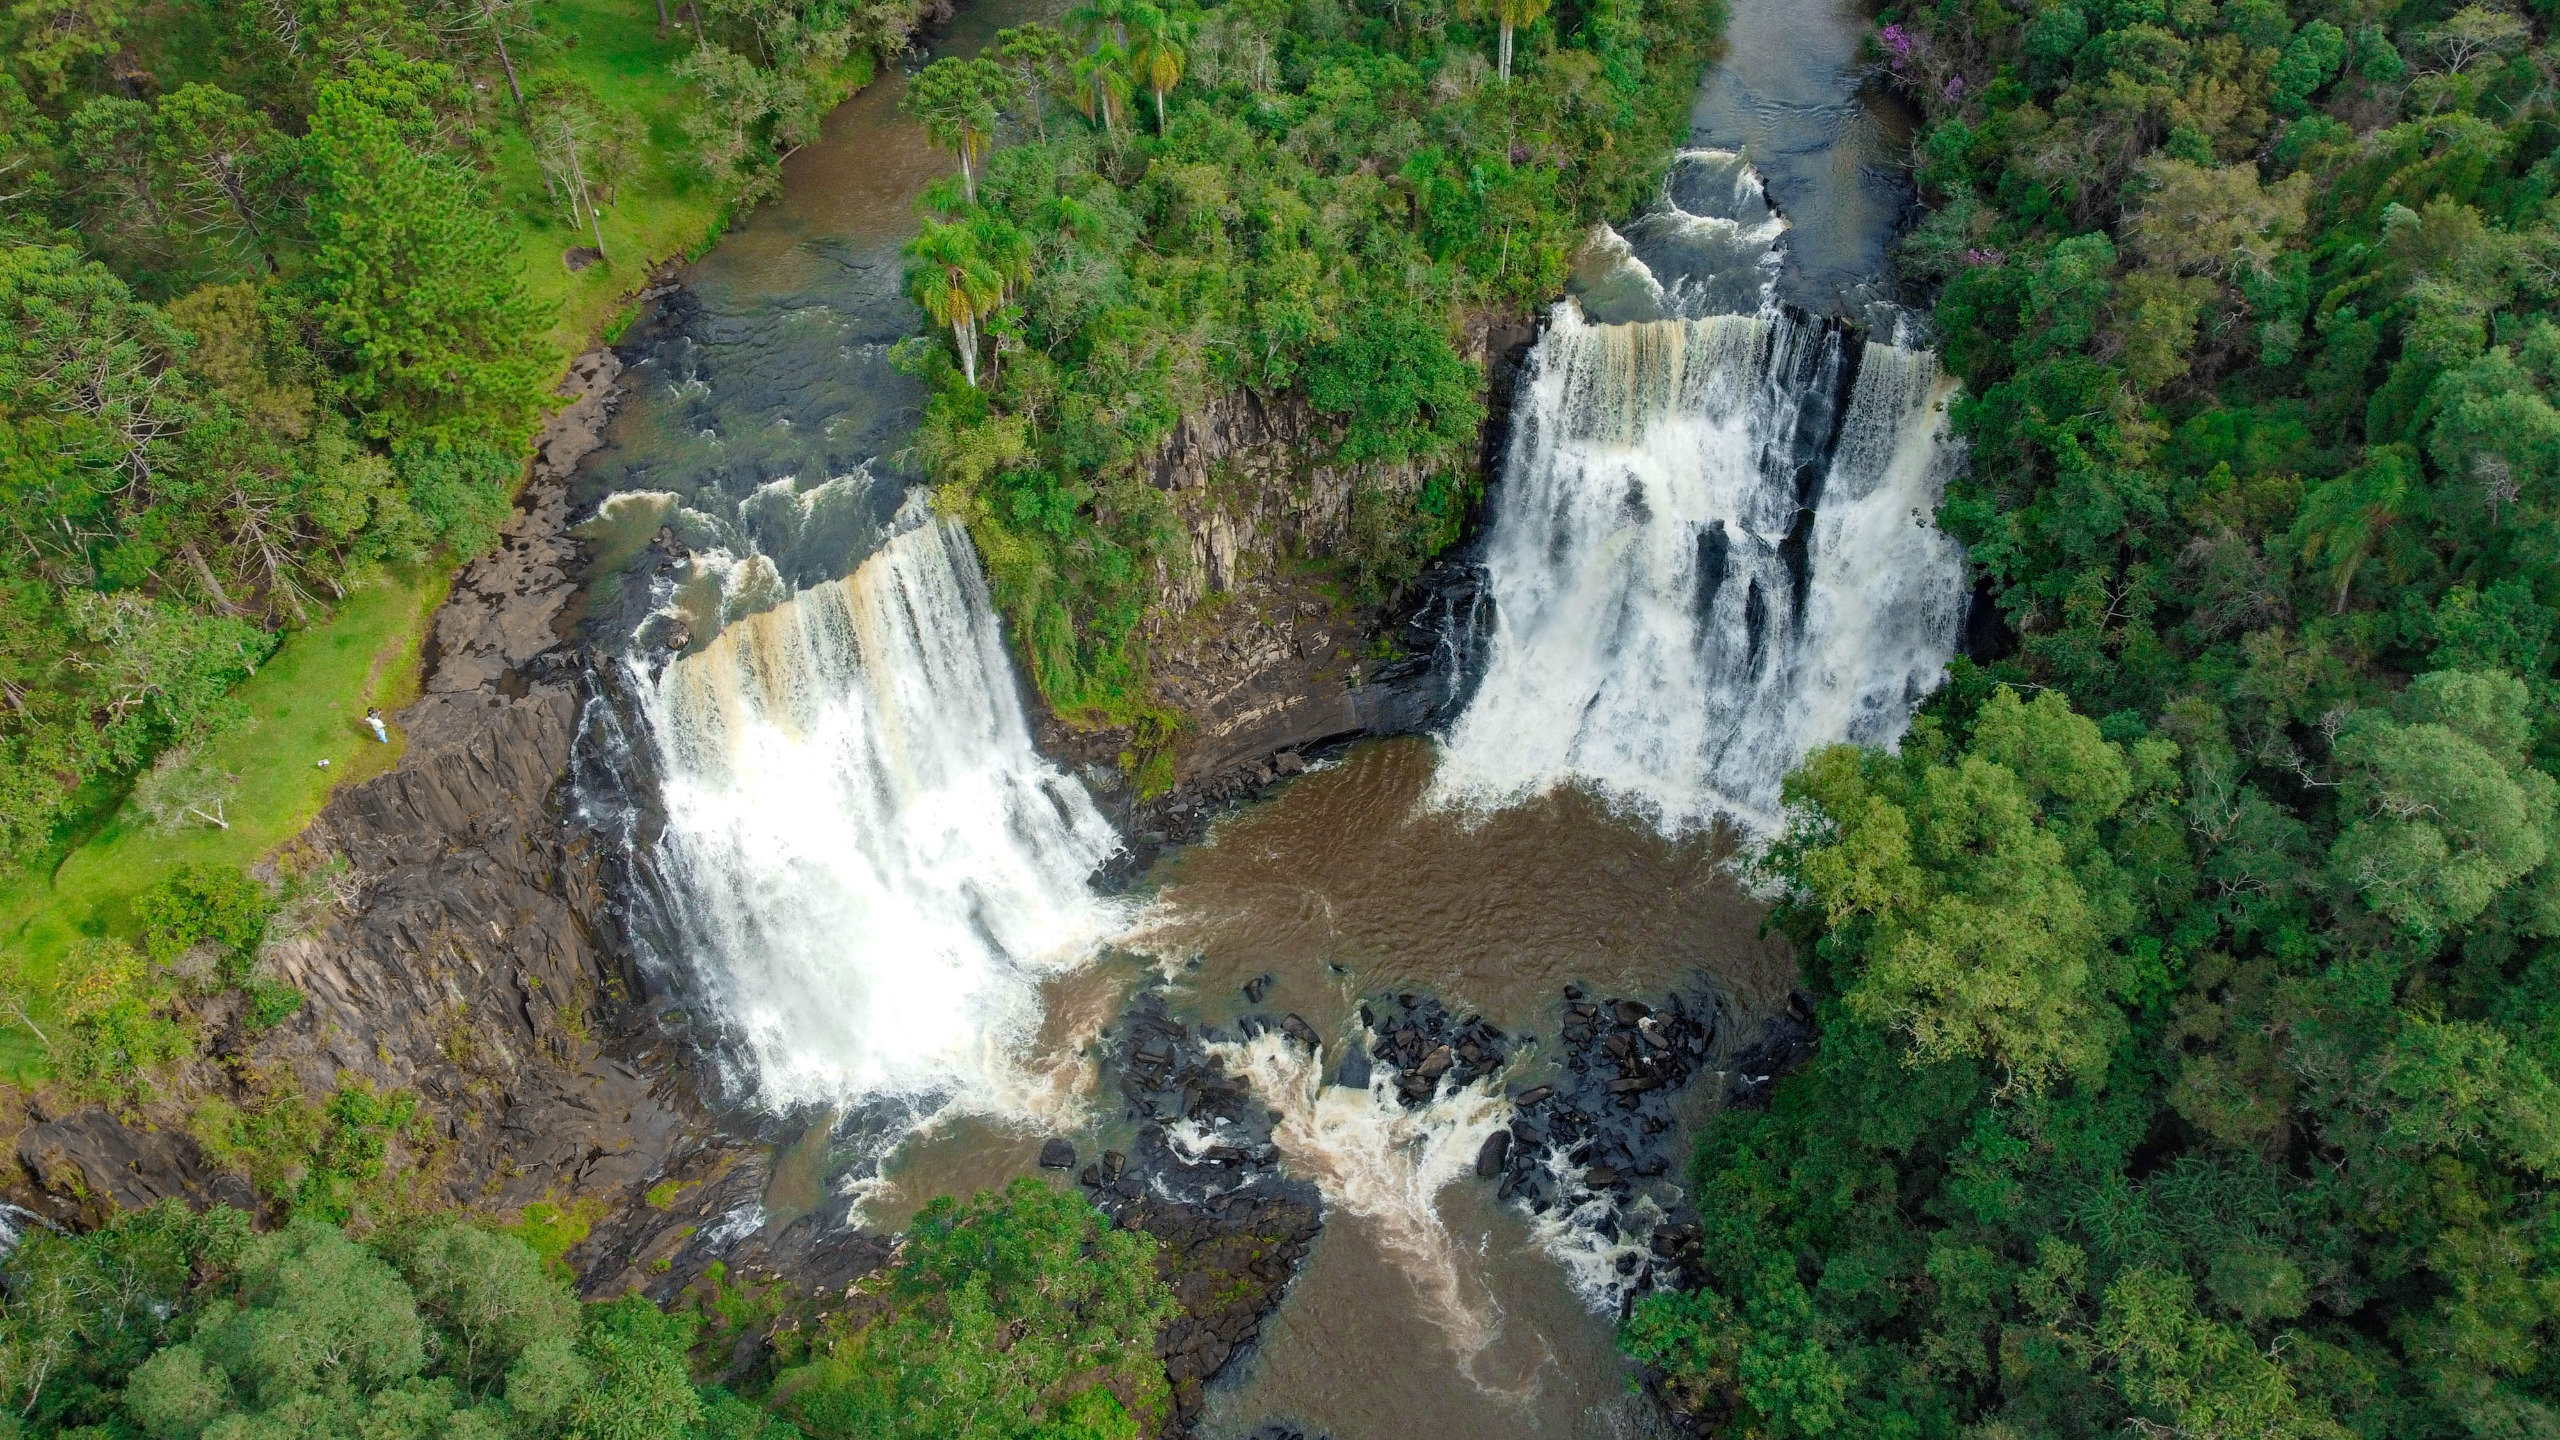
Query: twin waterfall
x=1710, y=554
x=871, y=867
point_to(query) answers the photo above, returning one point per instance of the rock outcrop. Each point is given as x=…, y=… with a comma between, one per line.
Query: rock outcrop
x=1256, y=643
x=1231, y=1227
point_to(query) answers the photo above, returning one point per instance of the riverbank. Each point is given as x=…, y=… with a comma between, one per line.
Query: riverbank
x=296, y=736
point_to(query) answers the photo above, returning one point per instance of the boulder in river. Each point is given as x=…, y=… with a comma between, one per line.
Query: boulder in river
x=1497, y=1149
x=1057, y=1154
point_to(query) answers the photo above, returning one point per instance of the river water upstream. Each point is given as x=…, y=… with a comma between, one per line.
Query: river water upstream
x=764, y=428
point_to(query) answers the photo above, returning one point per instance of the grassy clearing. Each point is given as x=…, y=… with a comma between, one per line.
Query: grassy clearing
x=305, y=705
x=663, y=208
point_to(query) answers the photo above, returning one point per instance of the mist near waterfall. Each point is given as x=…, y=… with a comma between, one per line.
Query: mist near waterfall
x=871, y=867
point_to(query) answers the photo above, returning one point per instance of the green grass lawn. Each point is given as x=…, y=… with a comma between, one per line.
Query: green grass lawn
x=304, y=705
x=663, y=208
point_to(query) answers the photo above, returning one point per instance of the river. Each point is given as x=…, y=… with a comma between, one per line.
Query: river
x=857, y=859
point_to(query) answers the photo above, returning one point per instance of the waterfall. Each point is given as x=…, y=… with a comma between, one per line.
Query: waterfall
x=868, y=867
x=1711, y=553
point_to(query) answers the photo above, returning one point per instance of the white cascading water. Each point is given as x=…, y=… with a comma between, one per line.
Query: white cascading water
x=873, y=868
x=1387, y=1164
x=1704, y=562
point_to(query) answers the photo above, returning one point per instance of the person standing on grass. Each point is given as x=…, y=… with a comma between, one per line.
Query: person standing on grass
x=373, y=717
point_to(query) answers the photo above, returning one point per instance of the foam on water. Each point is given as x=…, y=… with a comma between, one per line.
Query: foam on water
x=1386, y=1164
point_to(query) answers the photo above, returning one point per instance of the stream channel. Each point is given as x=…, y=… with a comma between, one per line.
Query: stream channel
x=895, y=930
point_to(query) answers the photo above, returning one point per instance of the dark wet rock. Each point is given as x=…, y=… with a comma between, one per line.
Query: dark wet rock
x=1296, y=1028
x=1784, y=1042
x=1416, y=1036
x=1497, y=1149
x=1257, y=987
x=1057, y=1154
x=1230, y=1227
x=1353, y=1072
x=101, y=1165
x=1228, y=1267
x=1626, y=1063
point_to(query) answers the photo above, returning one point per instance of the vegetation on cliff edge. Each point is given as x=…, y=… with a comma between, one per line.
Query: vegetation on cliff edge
x=1020, y=1315
x=1301, y=198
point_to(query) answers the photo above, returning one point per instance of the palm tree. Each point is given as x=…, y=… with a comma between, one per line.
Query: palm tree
x=1091, y=20
x=1104, y=81
x=1510, y=15
x=954, y=283
x=1158, y=55
x=957, y=101
x=1004, y=252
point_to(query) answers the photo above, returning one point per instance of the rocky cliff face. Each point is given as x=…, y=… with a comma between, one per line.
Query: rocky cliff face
x=1258, y=644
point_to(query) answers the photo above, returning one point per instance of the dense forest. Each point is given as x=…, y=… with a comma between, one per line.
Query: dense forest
x=2190, y=1009
x=1299, y=199
x=1015, y=1316
x=274, y=313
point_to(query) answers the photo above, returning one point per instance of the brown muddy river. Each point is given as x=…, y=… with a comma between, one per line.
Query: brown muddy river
x=1425, y=1309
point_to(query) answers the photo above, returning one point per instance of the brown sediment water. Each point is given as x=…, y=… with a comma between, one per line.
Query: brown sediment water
x=969, y=1153
x=1426, y=1308
x=1349, y=883
x=1351, y=1357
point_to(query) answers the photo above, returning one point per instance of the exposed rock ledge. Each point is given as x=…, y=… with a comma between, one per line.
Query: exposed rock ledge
x=1254, y=644
x=473, y=963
